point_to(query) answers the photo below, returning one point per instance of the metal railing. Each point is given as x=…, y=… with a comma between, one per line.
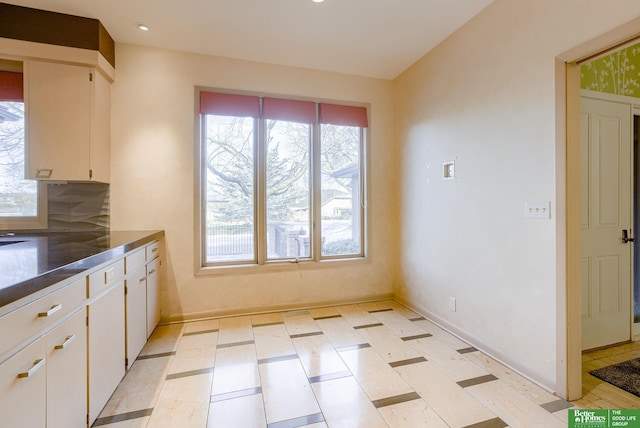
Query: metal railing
x=229, y=239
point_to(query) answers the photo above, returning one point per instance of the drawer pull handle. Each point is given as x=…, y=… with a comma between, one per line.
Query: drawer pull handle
x=108, y=275
x=36, y=366
x=66, y=342
x=152, y=271
x=154, y=250
x=51, y=311
x=143, y=279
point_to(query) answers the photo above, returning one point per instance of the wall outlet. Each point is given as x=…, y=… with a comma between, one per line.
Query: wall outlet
x=449, y=170
x=452, y=303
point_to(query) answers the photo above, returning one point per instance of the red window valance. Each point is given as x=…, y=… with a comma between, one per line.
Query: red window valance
x=229, y=104
x=289, y=110
x=11, y=87
x=281, y=109
x=343, y=115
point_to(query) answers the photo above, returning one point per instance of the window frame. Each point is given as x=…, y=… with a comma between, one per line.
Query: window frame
x=36, y=222
x=260, y=261
x=39, y=221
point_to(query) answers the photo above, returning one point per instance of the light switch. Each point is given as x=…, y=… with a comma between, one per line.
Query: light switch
x=540, y=210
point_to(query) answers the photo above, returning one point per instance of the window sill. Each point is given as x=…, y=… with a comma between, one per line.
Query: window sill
x=286, y=266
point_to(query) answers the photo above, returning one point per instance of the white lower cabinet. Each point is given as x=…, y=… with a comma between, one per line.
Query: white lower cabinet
x=67, y=373
x=23, y=388
x=63, y=355
x=106, y=347
x=45, y=384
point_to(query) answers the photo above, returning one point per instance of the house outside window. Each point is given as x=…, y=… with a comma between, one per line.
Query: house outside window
x=280, y=180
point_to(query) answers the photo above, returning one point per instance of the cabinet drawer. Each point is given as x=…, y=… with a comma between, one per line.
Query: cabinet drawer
x=101, y=279
x=35, y=317
x=153, y=250
x=134, y=261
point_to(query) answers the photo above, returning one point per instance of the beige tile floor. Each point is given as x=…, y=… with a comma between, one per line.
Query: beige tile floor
x=364, y=365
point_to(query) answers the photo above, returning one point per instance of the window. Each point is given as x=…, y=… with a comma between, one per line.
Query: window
x=21, y=205
x=281, y=180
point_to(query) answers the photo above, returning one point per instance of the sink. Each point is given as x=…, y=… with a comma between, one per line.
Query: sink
x=9, y=242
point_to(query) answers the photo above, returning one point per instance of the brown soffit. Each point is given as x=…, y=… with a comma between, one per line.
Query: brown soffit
x=35, y=25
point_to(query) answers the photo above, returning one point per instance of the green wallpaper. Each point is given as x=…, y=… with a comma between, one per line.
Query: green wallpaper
x=618, y=73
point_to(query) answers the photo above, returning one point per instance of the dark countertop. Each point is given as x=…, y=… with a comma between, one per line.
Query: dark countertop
x=40, y=260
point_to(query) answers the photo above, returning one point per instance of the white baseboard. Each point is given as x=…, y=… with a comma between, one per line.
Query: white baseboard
x=200, y=316
x=523, y=370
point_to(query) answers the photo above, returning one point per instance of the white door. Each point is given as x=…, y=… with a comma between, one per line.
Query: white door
x=136, y=310
x=606, y=168
x=106, y=348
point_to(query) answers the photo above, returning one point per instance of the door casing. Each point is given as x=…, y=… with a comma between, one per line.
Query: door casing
x=568, y=290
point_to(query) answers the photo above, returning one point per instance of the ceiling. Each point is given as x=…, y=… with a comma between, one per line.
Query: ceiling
x=374, y=38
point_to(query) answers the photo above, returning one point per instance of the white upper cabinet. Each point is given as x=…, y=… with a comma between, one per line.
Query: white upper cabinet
x=68, y=116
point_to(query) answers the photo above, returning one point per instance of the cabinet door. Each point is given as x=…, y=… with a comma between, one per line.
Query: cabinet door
x=153, y=296
x=100, y=150
x=106, y=347
x=23, y=388
x=136, y=300
x=58, y=104
x=67, y=373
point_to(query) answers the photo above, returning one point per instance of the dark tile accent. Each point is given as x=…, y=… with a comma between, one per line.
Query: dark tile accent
x=467, y=350
x=276, y=359
x=269, y=324
x=328, y=317
x=189, y=373
x=353, y=347
x=368, y=325
x=294, y=314
x=195, y=333
x=106, y=420
x=231, y=345
x=380, y=310
x=417, y=319
x=390, y=401
x=236, y=394
x=407, y=362
x=332, y=376
x=315, y=333
x=298, y=422
x=491, y=423
x=556, y=406
x=78, y=207
x=417, y=336
x=477, y=380
x=161, y=355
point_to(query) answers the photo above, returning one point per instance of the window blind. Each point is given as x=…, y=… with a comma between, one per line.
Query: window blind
x=11, y=87
x=289, y=110
x=229, y=104
x=335, y=114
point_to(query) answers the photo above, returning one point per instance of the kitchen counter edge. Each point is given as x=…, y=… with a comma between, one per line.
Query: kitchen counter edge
x=30, y=290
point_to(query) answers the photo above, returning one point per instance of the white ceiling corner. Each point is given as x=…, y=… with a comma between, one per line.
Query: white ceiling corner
x=373, y=38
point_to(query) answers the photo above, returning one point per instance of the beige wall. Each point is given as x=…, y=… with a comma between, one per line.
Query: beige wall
x=486, y=99
x=153, y=117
